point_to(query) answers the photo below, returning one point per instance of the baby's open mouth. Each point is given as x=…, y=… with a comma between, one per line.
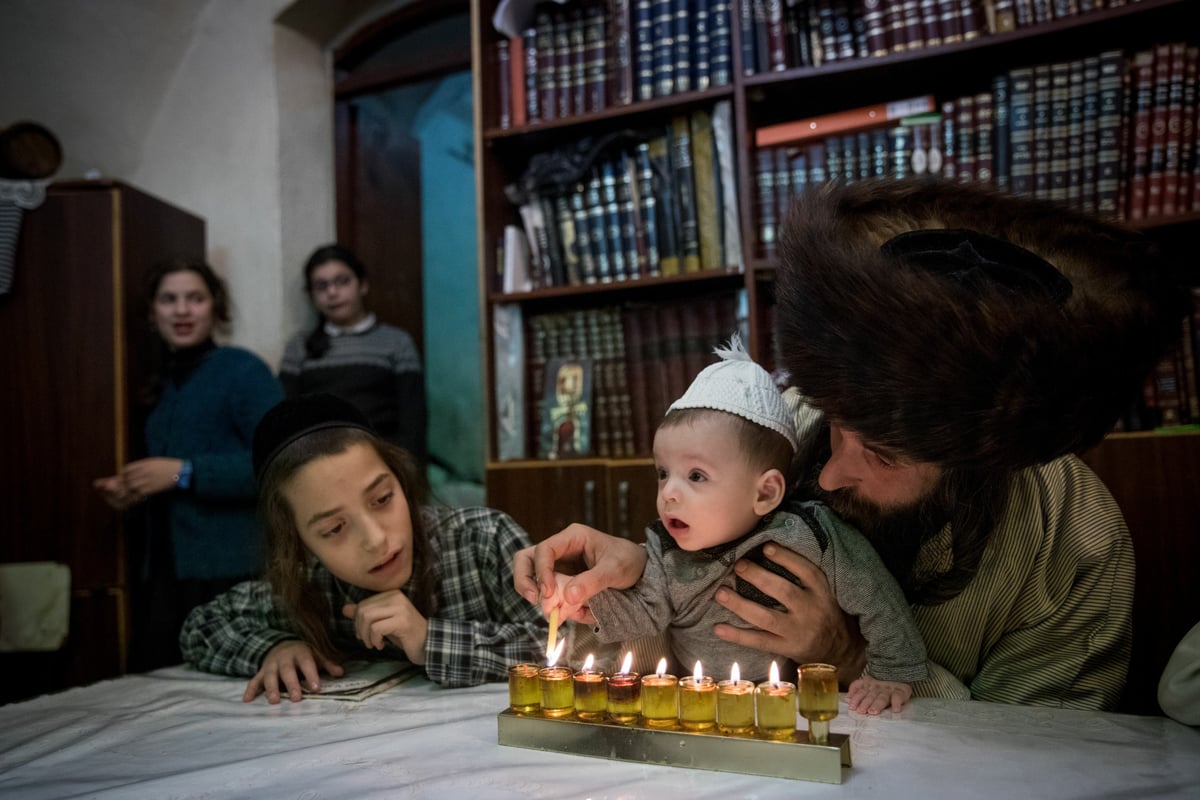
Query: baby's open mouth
x=676, y=524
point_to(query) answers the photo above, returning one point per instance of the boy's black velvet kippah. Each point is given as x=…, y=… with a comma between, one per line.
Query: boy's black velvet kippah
x=297, y=417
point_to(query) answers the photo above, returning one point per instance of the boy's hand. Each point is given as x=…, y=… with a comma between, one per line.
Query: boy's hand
x=389, y=616
x=280, y=666
x=870, y=696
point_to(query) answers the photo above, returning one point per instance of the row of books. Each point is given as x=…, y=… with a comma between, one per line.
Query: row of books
x=595, y=382
x=1171, y=395
x=595, y=54
x=1109, y=134
x=782, y=34
x=663, y=206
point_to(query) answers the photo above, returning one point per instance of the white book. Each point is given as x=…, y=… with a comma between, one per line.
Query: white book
x=731, y=236
x=516, y=261
x=509, y=381
x=362, y=679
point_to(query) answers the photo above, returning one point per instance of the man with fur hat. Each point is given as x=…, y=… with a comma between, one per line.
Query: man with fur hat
x=957, y=348
x=724, y=454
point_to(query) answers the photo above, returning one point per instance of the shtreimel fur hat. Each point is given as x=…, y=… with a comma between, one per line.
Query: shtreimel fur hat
x=962, y=326
x=737, y=385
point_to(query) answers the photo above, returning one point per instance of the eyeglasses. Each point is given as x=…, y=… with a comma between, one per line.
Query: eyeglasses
x=341, y=282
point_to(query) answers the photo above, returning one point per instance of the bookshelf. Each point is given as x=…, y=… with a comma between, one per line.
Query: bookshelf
x=544, y=494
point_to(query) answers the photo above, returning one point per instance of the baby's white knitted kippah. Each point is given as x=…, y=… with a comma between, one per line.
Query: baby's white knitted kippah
x=739, y=386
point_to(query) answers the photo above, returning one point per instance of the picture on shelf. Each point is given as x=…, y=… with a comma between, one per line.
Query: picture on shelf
x=566, y=419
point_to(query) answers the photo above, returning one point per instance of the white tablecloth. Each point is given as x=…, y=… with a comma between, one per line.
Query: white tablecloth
x=182, y=734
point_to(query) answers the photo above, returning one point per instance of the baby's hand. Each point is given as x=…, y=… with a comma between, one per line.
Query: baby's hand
x=870, y=696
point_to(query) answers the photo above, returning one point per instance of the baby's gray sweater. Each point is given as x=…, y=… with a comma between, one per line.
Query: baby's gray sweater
x=677, y=588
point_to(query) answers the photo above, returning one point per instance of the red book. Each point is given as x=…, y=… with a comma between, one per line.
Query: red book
x=837, y=122
x=1156, y=169
x=639, y=380
x=1187, y=157
x=516, y=80
x=671, y=334
x=1139, y=146
x=1173, y=148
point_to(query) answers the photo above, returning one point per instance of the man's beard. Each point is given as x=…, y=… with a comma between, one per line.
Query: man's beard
x=896, y=532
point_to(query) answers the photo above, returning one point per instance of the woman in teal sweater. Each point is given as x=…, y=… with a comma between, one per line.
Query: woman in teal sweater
x=200, y=532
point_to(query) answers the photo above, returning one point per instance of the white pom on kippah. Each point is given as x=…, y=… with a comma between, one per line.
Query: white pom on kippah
x=737, y=385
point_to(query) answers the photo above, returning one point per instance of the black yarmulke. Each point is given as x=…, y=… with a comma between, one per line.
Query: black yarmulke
x=297, y=417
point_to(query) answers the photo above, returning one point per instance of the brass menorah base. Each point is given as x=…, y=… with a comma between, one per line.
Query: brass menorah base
x=795, y=758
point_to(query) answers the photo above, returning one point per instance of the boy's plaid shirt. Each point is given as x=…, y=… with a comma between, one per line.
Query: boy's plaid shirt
x=480, y=626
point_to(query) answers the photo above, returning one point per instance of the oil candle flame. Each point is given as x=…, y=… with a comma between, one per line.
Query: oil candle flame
x=588, y=662
x=627, y=663
x=735, y=674
x=552, y=659
x=697, y=672
x=774, y=676
x=662, y=667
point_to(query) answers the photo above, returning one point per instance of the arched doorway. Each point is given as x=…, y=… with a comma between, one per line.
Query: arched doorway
x=404, y=175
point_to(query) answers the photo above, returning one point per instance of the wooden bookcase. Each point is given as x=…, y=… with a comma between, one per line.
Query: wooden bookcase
x=1153, y=476
x=543, y=494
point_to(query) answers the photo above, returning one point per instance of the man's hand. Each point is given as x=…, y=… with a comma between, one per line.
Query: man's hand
x=391, y=616
x=810, y=626
x=280, y=666
x=596, y=560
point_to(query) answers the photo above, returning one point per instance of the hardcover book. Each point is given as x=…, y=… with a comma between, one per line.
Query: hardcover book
x=509, y=366
x=362, y=679
x=840, y=121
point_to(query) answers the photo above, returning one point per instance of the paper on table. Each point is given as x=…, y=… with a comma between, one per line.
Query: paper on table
x=363, y=679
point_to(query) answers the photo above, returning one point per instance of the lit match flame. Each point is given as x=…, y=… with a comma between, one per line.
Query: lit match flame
x=552, y=658
x=735, y=674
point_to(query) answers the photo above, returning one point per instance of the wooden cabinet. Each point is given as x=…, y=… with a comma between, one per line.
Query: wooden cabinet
x=545, y=497
x=77, y=341
x=1155, y=479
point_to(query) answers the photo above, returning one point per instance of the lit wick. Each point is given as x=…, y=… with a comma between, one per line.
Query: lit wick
x=591, y=691
x=624, y=693
x=558, y=690
x=660, y=697
x=735, y=703
x=697, y=701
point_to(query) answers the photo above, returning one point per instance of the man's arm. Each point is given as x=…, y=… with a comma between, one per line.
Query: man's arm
x=595, y=559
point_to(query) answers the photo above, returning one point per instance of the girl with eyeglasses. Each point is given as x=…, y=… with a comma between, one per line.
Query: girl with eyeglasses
x=351, y=354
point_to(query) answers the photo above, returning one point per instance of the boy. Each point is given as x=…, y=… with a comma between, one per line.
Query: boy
x=723, y=454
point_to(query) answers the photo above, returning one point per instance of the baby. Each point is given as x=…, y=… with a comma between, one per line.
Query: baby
x=723, y=454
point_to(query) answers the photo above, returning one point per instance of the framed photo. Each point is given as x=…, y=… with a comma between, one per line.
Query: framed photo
x=566, y=412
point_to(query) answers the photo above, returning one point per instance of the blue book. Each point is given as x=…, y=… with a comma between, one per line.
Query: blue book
x=648, y=208
x=701, y=45
x=720, y=43
x=664, y=47
x=746, y=30
x=643, y=33
x=683, y=46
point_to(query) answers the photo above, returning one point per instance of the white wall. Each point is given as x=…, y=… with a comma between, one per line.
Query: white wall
x=205, y=103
